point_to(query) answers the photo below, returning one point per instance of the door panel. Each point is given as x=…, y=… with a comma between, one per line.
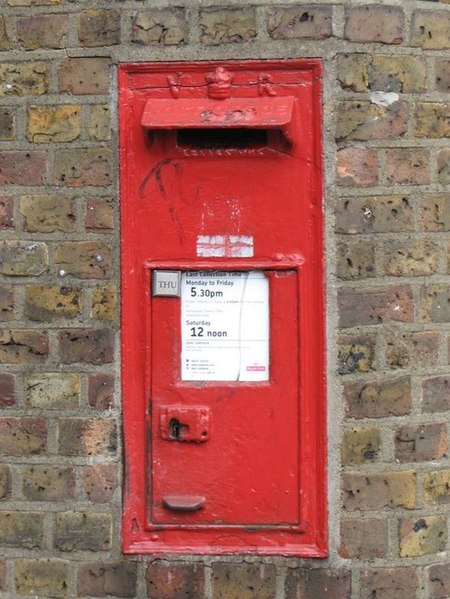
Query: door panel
x=246, y=471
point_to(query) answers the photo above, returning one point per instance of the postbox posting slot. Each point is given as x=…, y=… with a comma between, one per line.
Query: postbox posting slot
x=239, y=114
x=222, y=139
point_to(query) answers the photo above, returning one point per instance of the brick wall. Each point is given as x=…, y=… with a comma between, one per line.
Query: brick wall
x=387, y=161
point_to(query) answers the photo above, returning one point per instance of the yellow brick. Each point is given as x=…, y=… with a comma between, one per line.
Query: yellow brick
x=53, y=123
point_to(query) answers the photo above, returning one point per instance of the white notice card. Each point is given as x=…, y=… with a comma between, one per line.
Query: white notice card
x=224, y=326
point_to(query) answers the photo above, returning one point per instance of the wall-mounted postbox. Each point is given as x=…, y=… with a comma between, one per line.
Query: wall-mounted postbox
x=222, y=337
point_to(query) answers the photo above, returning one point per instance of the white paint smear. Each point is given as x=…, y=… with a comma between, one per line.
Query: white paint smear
x=384, y=98
x=225, y=246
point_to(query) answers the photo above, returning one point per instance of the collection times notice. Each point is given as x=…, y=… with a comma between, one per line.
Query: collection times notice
x=224, y=326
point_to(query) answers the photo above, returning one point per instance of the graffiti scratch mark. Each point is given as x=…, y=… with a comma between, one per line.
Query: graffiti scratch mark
x=156, y=173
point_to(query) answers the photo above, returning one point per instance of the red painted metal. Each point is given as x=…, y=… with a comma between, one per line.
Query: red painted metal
x=223, y=467
x=260, y=113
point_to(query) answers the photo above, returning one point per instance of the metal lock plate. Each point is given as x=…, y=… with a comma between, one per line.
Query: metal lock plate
x=185, y=423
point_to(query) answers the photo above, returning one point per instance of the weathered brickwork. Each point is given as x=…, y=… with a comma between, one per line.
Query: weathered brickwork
x=386, y=110
x=391, y=207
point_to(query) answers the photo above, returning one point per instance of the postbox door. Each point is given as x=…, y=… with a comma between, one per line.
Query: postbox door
x=226, y=452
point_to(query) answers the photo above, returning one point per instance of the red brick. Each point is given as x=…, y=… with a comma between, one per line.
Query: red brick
x=399, y=74
x=438, y=581
x=52, y=390
x=315, y=583
x=419, y=349
x=360, y=445
x=48, y=483
x=7, y=124
x=42, y=31
x=53, y=124
x=3, y=573
x=430, y=29
x=99, y=125
x=100, y=391
x=80, y=167
x=432, y=120
x=26, y=78
x=422, y=536
x=83, y=531
x=421, y=442
x=99, y=215
x=357, y=167
x=366, y=306
x=435, y=212
x=23, y=167
x=6, y=212
x=83, y=259
x=82, y=76
x=407, y=166
x=160, y=26
x=378, y=490
x=364, y=539
x=22, y=436
x=379, y=214
x=296, y=22
x=5, y=484
x=435, y=303
x=355, y=260
x=22, y=529
x=32, y=2
x=352, y=72
x=443, y=166
x=411, y=258
x=23, y=258
x=378, y=399
x=46, y=304
x=356, y=353
x=389, y=583
x=5, y=43
x=86, y=437
x=106, y=579
x=88, y=346
x=23, y=346
x=436, y=487
x=46, y=577
x=436, y=394
x=103, y=303
x=382, y=24
x=48, y=213
x=171, y=580
x=6, y=304
x=442, y=69
x=100, y=482
x=227, y=25
x=99, y=27
x=7, y=389
x=357, y=120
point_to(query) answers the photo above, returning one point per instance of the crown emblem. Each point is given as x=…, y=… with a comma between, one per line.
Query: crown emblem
x=219, y=83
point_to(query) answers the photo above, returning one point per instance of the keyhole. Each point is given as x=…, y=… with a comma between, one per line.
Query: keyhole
x=175, y=428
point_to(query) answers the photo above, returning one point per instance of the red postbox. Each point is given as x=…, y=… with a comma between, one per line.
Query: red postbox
x=222, y=309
